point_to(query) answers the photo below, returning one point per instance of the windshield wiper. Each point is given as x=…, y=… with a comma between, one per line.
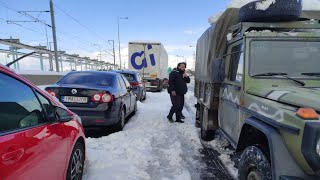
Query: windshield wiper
x=282, y=75
x=270, y=74
x=311, y=74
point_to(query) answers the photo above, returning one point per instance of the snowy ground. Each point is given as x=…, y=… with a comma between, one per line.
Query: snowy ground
x=150, y=147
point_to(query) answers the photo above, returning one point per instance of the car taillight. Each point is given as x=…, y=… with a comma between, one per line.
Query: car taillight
x=155, y=83
x=52, y=93
x=106, y=98
x=103, y=98
x=134, y=84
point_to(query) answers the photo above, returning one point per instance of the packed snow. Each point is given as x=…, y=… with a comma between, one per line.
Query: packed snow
x=264, y=5
x=150, y=147
x=214, y=18
x=229, y=36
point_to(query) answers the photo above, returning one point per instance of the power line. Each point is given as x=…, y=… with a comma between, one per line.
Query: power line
x=84, y=26
x=42, y=22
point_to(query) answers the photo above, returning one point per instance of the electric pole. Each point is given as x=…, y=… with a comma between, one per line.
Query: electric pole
x=54, y=37
x=114, y=53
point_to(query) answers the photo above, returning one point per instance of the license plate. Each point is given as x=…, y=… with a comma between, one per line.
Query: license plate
x=73, y=99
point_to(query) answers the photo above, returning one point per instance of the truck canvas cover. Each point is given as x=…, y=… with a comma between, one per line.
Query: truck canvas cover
x=213, y=43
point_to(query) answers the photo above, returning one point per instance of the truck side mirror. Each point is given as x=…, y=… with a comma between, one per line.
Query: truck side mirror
x=218, y=70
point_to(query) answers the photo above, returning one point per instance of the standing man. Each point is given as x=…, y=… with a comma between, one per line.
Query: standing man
x=178, y=80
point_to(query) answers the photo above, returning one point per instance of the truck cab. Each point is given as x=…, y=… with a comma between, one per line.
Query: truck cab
x=267, y=99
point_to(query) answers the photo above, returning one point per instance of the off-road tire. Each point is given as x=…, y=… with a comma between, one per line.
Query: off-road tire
x=254, y=164
x=206, y=135
x=281, y=10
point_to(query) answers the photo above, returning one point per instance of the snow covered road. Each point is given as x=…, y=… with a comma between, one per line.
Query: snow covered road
x=149, y=147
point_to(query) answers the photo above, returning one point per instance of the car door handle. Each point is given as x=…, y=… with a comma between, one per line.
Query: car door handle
x=13, y=155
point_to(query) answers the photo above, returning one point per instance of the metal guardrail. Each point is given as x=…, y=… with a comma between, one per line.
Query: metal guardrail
x=75, y=61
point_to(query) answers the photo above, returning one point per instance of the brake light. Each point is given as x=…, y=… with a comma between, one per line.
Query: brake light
x=134, y=84
x=307, y=113
x=106, y=98
x=96, y=97
x=103, y=98
x=52, y=93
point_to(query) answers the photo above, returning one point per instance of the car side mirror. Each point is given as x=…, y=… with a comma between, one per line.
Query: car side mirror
x=62, y=115
x=130, y=88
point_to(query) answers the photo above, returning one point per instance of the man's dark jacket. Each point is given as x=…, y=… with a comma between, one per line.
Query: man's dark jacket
x=178, y=83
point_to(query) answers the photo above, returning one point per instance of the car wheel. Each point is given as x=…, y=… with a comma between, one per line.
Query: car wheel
x=254, y=165
x=76, y=163
x=122, y=120
x=281, y=10
x=135, y=109
x=141, y=96
x=145, y=95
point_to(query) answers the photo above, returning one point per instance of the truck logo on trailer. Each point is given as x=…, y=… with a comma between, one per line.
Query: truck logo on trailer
x=143, y=63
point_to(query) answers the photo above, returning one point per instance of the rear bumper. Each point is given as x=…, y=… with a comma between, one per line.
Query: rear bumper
x=97, y=117
x=152, y=88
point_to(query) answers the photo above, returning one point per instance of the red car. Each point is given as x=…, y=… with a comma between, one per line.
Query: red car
x=39, y=137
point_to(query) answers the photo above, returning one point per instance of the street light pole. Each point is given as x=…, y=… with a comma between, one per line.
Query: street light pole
x=54, y=36
x=114, y=54
x=119, y=37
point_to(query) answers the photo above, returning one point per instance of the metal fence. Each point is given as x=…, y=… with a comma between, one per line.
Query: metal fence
x=44, y=60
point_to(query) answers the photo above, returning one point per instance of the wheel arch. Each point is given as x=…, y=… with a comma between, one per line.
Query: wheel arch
x=282, y=163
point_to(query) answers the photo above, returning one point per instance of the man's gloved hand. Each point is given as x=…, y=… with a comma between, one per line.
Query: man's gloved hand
x=173, y=93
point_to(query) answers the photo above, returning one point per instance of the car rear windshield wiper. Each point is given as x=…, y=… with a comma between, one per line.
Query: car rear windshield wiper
x=282, y=75
x=311, y=74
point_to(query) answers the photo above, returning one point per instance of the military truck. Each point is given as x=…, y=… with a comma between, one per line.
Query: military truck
x=258, y=85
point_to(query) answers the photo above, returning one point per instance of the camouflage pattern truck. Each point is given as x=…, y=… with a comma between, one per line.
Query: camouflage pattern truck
x=258, y=84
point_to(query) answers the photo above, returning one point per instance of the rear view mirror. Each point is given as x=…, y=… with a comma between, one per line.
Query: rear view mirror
x=218, y=70
x=130, y=88
x=62, y=115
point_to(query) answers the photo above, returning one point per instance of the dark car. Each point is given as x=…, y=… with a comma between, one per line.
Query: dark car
x=136, y=82
x=100, y=98
x=39, y=137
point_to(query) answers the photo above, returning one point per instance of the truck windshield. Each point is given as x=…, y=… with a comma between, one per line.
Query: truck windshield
x=294, y=58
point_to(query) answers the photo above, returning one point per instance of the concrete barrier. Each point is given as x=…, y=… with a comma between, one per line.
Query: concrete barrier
x=41, y=78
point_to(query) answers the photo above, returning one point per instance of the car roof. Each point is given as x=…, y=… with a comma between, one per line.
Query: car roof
x=6, y=68
x=126, y=71
x=95, y=72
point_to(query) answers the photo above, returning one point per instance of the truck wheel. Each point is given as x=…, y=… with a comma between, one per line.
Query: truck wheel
x=254, y=165
x=206, y=135
x=198, y=120
x=281, y=10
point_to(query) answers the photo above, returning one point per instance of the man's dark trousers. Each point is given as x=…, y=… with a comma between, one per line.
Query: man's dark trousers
x=177, y=106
